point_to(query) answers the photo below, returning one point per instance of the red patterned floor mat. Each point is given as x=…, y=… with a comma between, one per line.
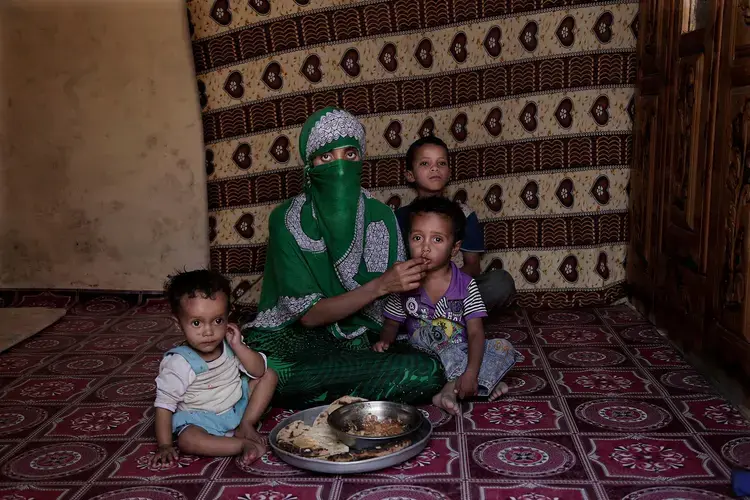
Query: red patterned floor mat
x=601, y=407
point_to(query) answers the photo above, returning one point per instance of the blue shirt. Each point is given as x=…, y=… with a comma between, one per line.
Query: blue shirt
x=473, y=236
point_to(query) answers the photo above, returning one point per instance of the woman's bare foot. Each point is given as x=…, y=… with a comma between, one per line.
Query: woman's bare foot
x=500, y=389
x=252, y=451
x=446, y=399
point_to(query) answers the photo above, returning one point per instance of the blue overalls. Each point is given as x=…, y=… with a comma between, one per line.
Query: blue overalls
x=213, y=423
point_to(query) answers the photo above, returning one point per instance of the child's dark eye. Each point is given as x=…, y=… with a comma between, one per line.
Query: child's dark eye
x=219, y=321
x=195, y=323
x=416, y=237
x=438, y=239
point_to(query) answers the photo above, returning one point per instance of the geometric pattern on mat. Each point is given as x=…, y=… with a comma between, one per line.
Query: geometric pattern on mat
x=534, y=99
x=601, y=408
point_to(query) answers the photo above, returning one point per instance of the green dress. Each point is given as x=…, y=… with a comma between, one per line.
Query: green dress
x=327, y=241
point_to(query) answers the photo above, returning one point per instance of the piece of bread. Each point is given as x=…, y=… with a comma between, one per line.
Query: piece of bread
x=309, y=442
x=318, y=440
x=342, y=401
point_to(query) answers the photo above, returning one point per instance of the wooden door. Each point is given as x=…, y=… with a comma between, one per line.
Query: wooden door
x=729, y=332
x=650, y=107
x=689, y=261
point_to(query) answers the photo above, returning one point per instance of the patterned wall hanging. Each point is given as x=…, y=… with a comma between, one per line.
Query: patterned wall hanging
x=533, y=97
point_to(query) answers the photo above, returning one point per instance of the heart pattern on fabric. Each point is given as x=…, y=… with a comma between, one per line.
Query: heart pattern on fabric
x=564, y=113
x=392, y=134
x=234, y=86
x=350, y=63
x=280, y=149
x=603, y=27
x=494, y=198
x=244, y=226
x=242, y=156
x=458, y=47
x=423, y=53
x=564, y=193
x=492, y=41
x=602, y=268
x=260, y=6
x=529, y=36
x=530, y=270
x=530, y=195
x=600, y=110
x=528, y=117
x=566, y=31
x=458, y=127
x=272, y=76
x=221, y=12
x=311, y=68
x=493, y=122
x=569, y=268
x=427, y=128
x=600, y=190
x=387, y=57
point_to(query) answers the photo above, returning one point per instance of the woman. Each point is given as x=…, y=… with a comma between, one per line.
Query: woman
x=333, y=254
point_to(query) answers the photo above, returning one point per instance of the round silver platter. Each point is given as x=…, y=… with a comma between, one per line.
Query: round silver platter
x=420, y=439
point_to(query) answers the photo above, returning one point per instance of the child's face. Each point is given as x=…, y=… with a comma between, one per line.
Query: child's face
x=204, y=321
x=348, y=153
x=431, y=238
x=430, y=170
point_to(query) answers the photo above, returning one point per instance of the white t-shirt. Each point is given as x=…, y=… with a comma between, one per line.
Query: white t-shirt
x=217, y=389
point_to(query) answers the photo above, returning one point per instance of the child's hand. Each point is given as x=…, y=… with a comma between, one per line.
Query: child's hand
x=467, y=385
x=381, y=346
x=166, y=454
x=234, y=337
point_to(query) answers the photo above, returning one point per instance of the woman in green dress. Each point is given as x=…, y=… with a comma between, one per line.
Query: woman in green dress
x=333, y=254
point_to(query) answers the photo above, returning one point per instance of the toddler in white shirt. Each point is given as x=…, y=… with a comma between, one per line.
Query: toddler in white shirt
x=211, y=392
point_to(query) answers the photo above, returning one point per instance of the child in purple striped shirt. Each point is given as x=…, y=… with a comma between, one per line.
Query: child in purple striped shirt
x=444, y=315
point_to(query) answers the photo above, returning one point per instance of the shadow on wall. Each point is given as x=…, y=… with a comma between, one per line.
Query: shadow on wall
x=102, y=170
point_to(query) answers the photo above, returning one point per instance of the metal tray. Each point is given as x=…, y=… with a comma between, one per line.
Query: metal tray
x=420, y=439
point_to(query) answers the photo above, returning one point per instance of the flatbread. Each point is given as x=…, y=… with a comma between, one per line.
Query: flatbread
x=309, y=442
x=322, y=419
x=318, y=440
x=289, y=433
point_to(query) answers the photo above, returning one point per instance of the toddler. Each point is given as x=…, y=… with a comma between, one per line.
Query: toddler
x=428, y=170
x=444, y=315
x=211, y=392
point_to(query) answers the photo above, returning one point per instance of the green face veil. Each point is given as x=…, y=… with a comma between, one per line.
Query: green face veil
x=332, y=238
x=333, y=188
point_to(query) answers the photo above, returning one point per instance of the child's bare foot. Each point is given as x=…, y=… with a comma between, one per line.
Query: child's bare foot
x=500, y=389
x=248, y=431
x=252, y=451
x=446, y=399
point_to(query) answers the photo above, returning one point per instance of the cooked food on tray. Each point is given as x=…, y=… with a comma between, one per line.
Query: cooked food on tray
x=378, y=451
x=372, y=426
x=320, y=442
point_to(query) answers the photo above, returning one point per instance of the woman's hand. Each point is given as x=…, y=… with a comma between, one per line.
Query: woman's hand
x=166, y=454
x=402, y=277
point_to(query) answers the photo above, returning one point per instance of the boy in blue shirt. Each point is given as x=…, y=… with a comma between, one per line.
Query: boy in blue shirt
x=427, y=168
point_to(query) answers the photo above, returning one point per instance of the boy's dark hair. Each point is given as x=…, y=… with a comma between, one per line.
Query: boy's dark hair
x=443, y=206
x=205, y=282
x=422, y=141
